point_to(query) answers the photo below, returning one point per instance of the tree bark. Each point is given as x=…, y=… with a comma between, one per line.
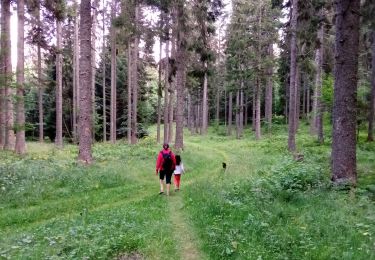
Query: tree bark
x=371, y=116
x=170, y=112
x=85, y=88
x=238, y=114
x=245, y=112
x=95, y=5
x=253, y=118
x=319, y=82
x=9, y=138
x=130, y=91
x=217, y=117
x=257, y=109
x=58, y=139
x=173, y=83
x=20, y=136
x=230, y=113
x=159, y=84
x=166, y=83
x=113, y=110
x=241, y=112
x=298, y=95
x=197, y=118
x=180, y=76
x=313, y=124
x=293, y=74
x=225, y=107
x=75, y=75
x=39, y=75
x=205, y=102
x=345, y=87
x=308, y=98
x=269, y=88
x=286, y=112
x=3, y=53
x=104, y=79
x=189, y=113
x=135, y=79
x=304, y=96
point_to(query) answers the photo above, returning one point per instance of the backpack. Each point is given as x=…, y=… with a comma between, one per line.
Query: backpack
x=167, y=160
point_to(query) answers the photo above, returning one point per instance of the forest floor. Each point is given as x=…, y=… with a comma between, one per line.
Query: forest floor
x=264, y=206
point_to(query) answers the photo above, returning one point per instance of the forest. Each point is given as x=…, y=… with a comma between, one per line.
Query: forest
x=269, y=103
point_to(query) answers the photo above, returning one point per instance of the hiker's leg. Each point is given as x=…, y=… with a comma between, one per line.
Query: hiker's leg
x=177, y=180
x=161, y=176
x=168, y=181
x=161, y=186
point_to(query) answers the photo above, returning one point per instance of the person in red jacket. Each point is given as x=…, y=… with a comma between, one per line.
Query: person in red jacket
x=165, y=165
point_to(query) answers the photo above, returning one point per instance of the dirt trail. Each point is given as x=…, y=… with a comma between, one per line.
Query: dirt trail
x=185, y=238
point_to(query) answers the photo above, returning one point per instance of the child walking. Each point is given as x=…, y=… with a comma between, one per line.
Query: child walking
x=178, y=172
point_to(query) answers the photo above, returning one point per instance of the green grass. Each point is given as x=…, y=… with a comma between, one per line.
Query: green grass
x=265, y=206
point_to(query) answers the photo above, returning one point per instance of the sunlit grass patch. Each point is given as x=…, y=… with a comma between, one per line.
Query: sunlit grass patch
x=263, y=205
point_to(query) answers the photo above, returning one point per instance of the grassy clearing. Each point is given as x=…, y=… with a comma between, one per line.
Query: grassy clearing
x=265, y=206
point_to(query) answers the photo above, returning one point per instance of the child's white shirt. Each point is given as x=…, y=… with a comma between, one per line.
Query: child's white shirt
x=179, y=169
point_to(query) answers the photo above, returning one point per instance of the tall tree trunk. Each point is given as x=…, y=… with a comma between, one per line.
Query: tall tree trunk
x=166, y=83
x=130, y=90
x=7, y=69
x=371, y=116
x=75, y=75
x=59, y=116
x=189, y=113
x=304, y=96
x=180, y=76
x=287, y=98
x=313, y=124
x=20, y=137
x=346, y=78
x=197, y=117
x=135, y=79
x=113, y=110
x=308, y=98
x=226, y=107
x=85, y=88
x=104, y=80
x=319, y=82
x=257, y=109
x=217, y=115
x=173, y=83
x=159, y=85
x=298, y=95
x=170, y=112
x=205, y=102
x=253, y=118
x=39, y=75
x=3, y=53
x=237, y=114
x=95, y=5
x=230, y=112
x=293, y=76
x=241, y=114
x=269, y=88
x=246, y=108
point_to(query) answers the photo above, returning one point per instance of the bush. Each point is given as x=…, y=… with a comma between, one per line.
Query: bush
x=300, y=176
x=278, y=120
x=289, y=178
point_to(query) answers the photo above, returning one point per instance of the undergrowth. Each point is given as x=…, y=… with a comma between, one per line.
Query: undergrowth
x=264, y=205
